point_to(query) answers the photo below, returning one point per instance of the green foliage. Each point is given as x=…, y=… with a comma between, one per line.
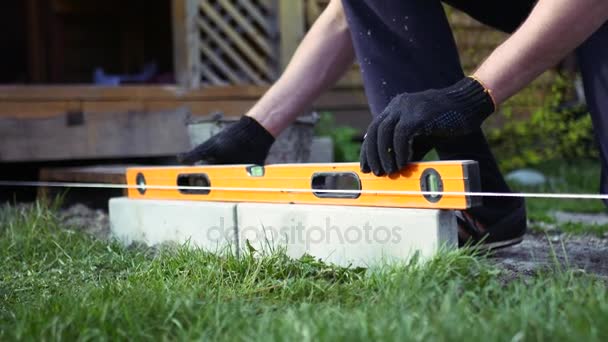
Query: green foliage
x=346, y=146
x=549, y=133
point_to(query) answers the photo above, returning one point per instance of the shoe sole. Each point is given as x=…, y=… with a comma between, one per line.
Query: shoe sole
x=493, y=246
x=519, y=214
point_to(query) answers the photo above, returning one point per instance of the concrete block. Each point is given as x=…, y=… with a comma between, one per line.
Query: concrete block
x=210, y=226
x=321, y=150
x=358, y=236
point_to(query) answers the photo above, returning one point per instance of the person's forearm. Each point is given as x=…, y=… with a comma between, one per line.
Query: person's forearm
x=553, y=29
x=323, y=56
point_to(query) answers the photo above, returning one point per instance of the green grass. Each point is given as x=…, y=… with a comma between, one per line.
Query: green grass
x=58, y=285
x=579, y=176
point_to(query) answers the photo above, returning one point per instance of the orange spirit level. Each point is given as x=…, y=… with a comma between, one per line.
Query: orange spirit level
x=436, y=185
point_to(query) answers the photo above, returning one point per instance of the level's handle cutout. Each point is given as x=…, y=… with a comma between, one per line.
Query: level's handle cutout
x=333, y=181
x=431, y=182
x=193, y=180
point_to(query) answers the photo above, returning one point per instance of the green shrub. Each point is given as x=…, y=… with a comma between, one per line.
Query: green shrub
x=553, y=131
x=346, y=145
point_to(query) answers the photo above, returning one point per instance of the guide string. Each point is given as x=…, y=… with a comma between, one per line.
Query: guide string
x=300, y=190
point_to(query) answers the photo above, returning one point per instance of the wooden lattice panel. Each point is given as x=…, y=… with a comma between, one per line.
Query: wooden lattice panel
x=238, y=41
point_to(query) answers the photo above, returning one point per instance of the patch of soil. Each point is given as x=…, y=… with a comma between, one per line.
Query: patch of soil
x=559, y=251
x=91, y=221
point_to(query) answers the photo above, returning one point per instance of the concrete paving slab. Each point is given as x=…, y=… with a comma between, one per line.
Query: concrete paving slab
x=209, y=226
x=357, y=236
x=321, y=150
x=598, y=219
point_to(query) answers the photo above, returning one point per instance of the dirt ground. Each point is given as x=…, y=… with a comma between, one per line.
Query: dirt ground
x=81, y=218
x=580, y=252
x=538, y=251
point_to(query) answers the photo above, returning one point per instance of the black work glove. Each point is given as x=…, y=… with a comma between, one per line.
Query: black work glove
x=456, y=110
x=244, y=142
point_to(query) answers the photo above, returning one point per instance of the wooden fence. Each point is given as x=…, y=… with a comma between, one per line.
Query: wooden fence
x=222, y=42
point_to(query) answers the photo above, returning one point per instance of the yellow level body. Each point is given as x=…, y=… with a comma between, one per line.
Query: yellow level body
x=433, y=185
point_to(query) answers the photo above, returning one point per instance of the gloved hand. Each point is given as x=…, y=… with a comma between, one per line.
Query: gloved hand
x=244, y=142
x=456, y=110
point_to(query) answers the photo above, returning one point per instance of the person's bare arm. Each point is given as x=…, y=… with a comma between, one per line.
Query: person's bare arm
x=323, y=56
x=553, y=29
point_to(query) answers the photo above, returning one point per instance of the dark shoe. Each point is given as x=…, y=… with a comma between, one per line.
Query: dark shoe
x=506, y=231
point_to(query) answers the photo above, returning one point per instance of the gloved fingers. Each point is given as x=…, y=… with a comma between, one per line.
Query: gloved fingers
x=363, y=159
x=371, y=148
x=386, y=151
x=185, y=158
x=202, y=152
x=403, y=141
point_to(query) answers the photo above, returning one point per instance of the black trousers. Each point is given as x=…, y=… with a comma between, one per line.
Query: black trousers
x=408, y=46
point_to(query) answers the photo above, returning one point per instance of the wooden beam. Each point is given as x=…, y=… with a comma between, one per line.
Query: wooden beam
x=39, y=109
x=130, y=93
x=203, y=108
x=186, y=40
x=109, y=174
x=94, y=136
x=113, y=106
x=43, y=101
x=39, y=94
x=291, y=26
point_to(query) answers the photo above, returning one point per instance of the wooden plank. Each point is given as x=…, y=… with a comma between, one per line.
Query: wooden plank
x=112, y=106
x=291, y=27
x=198, y=108
x=185, y=43
x=45, y=109
x=107, y=135
x=106, y=174
x=109, y=174
x=36, y=102
x=131, y=93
